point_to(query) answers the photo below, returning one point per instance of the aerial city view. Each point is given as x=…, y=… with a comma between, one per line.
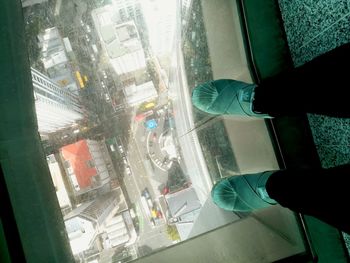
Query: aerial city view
x=159, y=131
x=112, y=82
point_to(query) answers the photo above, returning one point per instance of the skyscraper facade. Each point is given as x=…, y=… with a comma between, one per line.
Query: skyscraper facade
x=56, y=108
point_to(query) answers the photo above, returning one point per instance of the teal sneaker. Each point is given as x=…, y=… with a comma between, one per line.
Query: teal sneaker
x=226, y=97
x=243, y=193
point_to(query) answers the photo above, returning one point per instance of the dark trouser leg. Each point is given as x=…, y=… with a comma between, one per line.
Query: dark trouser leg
x=322, y=193
x=318, y=86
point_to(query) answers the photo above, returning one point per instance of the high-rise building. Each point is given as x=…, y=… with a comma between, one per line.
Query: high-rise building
x=120, y=41
x=130, y=10
x=58, y=182
x=160, y=19
x=127, y=9
x=102, y=218
x=52, y=48
x=54, y=56
x=55, y=107
x=137, y=94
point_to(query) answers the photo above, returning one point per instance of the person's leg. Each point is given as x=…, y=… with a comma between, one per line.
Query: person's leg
x=242, y=193
x=322, y=193
x=225, y=96
x=319, y=86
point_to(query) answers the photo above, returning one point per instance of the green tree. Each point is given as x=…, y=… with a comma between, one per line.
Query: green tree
x=172, y=232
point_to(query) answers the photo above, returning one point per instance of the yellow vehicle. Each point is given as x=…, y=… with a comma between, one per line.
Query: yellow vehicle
x=150, y=105
x=146, y=106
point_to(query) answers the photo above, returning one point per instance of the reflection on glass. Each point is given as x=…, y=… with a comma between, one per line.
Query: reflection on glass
x=131, y=161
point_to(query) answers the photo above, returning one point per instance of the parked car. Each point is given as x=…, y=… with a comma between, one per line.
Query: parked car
x=120, y=149
x=146, y=193
x=128, y=170
x=125, y=161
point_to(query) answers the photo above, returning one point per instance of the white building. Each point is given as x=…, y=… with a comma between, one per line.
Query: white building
x=82, y=231
x=57, y=179
x=54, y=51
x=98, y=152
x=116, y=232
x=127, y=9
x=120, y=41
x=101, y=216
x=184, y=207
x=160, y=19
x=54, y=59
x=55, y=107
x=52, y=48
x=137, y=94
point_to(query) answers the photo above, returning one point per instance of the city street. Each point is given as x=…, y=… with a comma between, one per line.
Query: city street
x=136, y=182
x=145, y=173
x=76, y=22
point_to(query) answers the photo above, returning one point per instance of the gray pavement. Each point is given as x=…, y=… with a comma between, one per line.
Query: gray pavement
x=153, y=236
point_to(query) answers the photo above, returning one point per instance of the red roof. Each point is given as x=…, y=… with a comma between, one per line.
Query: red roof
x=78, y=155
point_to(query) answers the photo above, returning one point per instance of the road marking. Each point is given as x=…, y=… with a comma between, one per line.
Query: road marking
x=161, y=136
x=147, y=146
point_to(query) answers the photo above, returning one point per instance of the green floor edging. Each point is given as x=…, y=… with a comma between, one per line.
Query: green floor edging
x=327, y=243
x=27, y=177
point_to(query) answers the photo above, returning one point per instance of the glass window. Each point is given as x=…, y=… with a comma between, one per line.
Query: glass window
x=129, y=67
